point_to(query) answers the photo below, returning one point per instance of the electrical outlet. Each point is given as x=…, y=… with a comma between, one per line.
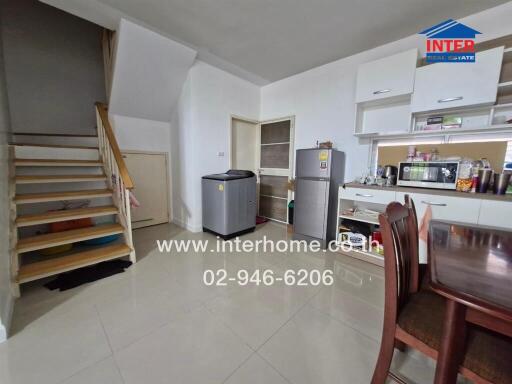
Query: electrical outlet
x=220, y=154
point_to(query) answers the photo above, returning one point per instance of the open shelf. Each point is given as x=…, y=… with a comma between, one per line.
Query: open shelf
x=440, y=132
x=360, y=217
x=505, y=92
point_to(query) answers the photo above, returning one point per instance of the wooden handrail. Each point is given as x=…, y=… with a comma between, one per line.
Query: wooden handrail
x=123, y=170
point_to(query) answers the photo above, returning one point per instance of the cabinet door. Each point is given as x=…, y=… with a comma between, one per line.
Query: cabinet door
x=464, y=210
x=496, y=214
x=449, y=85
x=387, y=77
x=369, y=195
x=461, y=209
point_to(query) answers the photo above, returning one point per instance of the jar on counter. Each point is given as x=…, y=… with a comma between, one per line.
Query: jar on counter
x=464, y=181
x=434, y=154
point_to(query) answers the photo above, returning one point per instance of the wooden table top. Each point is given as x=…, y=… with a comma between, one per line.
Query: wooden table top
x=473, y=265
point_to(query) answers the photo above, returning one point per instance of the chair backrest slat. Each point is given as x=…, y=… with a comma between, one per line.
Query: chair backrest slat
x=400, y=239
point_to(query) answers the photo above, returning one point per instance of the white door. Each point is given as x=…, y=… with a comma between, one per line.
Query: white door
x=149, y=172
x=266, y=148
x=244, y=144
x=275, y=167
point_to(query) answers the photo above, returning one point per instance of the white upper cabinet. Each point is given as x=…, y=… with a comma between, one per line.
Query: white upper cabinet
x=450, y=85
x=387, y=77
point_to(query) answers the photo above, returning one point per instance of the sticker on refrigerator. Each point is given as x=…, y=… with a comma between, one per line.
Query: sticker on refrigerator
x=323, y=165
x=221, y=187
x=322, y=156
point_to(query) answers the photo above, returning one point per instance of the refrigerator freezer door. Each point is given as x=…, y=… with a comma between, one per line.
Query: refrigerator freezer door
x=310, y=210
x=313, y=163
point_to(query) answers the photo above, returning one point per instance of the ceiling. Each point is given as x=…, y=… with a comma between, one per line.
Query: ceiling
x=274, y=39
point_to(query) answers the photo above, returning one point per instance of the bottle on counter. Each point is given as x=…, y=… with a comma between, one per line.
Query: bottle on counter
x=465, y=179
x=434, y=154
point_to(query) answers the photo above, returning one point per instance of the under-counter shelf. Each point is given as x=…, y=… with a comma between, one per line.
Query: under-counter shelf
x=359, y=200
x=360, y=217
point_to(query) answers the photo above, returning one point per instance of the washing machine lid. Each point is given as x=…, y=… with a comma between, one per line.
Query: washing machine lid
x=232, y=174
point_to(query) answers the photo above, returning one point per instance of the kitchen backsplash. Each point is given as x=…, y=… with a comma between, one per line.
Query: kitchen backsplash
x=494, y=151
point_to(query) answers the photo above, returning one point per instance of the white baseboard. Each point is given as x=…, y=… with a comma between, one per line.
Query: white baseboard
x=6, y=318
x=186, y=225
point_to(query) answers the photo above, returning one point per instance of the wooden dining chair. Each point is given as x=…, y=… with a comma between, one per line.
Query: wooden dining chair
x=414, y=315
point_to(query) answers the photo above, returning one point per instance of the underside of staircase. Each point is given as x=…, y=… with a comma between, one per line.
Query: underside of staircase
x=67, y=190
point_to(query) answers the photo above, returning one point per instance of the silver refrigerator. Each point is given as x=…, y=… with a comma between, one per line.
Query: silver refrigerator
x=318, y=175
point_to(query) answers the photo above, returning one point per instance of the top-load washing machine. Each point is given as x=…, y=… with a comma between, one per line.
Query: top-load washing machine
x=229, y=203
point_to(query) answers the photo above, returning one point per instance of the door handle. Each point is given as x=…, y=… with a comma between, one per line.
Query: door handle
x=363, y=195
x=448, y=99
x=433, y=203
x=380, y=91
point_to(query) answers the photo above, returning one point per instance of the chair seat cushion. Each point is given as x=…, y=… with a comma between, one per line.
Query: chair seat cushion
x=489, y=355
x=423, y=317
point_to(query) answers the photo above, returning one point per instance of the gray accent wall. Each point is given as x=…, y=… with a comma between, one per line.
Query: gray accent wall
x=6, y=301
x=53, y=66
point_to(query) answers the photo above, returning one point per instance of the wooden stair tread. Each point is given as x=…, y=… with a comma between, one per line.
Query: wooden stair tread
x=37, y=270
x=67, y=214
x=48, y=240
x=57, y=163
x=61, y=196
x=53, y=134
x=31, y=179
x=54, y=146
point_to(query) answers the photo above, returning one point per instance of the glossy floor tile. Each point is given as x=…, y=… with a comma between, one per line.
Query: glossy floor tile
x=256, y=371
x=159, y=323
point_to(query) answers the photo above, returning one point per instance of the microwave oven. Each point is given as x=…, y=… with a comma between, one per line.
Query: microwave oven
x=428, y=174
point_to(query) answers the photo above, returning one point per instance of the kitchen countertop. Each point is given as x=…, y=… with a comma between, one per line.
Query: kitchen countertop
x=437, y=192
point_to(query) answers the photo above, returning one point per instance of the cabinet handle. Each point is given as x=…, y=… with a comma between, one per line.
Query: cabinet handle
x=381, y=91
x=436, y=204
x=363, y=195
x=448, y=99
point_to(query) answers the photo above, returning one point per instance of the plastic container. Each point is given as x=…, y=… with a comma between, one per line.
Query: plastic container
x=291, y=206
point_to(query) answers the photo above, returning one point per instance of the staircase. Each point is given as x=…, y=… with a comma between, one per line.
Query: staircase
x=48, y=170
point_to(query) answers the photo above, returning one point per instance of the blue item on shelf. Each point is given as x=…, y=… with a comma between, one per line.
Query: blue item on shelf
x=101, y=240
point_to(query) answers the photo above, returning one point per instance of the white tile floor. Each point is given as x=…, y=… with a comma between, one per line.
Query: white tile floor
x=158, y=323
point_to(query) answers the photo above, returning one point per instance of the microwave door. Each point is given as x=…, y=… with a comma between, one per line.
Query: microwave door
x=432, y=173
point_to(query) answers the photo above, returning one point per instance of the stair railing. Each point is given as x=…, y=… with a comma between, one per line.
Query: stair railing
x=116, y=171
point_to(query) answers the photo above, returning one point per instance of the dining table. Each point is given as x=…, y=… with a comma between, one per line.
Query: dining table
x=471, y=267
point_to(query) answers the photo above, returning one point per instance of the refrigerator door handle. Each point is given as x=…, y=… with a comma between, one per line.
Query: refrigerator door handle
x=314, y=178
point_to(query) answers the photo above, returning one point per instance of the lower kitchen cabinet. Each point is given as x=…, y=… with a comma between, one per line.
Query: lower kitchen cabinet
x=450, y=207
x=460, y=209
x=496, y=214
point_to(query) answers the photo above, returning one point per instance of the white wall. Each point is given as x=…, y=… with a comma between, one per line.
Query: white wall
x=149, y=72
x=54, y=68
x=141, y=134
x=201, y=128
x=6, y=299
x=322, y=99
